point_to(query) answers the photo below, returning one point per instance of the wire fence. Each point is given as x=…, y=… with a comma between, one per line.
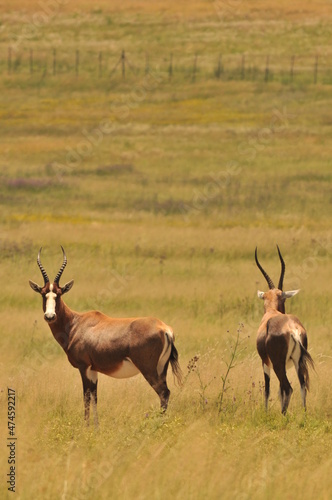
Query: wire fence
x=309, y=69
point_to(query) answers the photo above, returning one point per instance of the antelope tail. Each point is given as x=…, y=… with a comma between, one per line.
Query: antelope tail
x=304, y=363
x=174, y=360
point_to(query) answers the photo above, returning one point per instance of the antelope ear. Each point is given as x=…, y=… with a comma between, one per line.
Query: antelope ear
x=290, y=294
x=35, y=287
x=260, y=294
x=65, y=288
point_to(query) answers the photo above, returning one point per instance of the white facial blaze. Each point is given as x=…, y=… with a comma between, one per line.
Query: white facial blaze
x=50, y=303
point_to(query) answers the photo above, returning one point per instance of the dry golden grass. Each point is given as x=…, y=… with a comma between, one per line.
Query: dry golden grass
x=162, y=218
x=186, y=11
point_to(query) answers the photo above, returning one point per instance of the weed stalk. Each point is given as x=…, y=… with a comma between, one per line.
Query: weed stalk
x=230, y=365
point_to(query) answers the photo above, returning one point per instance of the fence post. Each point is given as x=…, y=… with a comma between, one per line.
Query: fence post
x=9, y=61
x=100, y=64
x=31, y=61
x=123, y=62
x=147, y=63
x=218, y=72
x=292, y=68
x=170, y=68
x=316, y=69
x=243, y=64
x=267, y=69
x=77, y=62
x=194, y=68
x=54, y=62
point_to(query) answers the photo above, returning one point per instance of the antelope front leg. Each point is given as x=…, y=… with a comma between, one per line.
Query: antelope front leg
x=86, y=396
x=93, y=390
x=90, y=383
x=87, y=399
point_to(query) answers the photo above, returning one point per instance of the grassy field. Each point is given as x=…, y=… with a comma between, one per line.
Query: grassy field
x=160, y=189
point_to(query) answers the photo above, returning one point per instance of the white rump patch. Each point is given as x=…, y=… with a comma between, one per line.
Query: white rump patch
x=91, y=375
x=294, y=349
x=166, y=352
x=170, y=333
x=127, y=369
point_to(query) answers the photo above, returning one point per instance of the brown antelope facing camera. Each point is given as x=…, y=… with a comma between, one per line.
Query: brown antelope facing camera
x=118, y=347
x=282, y=340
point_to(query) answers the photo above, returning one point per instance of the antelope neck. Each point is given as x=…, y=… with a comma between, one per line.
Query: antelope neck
x=62, y=326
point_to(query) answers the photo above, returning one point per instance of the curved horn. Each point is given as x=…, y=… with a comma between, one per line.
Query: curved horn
x=283, y=268
x=64, y=263
x=266, y=276
x=44, y=273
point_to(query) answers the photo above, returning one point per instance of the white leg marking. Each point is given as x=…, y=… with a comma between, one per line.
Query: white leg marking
x=92, y=375
x=279, y=396
x=287, y=399
x=304, y=395
x=267, y=369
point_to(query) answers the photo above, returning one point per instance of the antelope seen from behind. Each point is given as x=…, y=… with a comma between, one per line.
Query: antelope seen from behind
x=282, y=340
x=118, y=347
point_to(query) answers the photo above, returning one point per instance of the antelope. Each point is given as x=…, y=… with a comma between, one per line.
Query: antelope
x=118, y=347
x=282, y=340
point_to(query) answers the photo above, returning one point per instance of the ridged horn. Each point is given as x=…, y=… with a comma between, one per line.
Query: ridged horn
x=44, y=273
x=64, y=263
x=266, y=276
x=283, y=268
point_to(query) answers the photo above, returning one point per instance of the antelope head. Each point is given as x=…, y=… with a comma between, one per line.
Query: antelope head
x=275, y=297
x=51, y=292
